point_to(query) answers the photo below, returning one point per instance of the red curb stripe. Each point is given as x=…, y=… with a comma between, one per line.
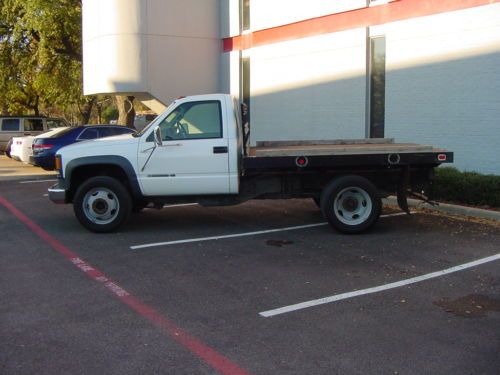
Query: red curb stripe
x=211, y=357
x=397, y=10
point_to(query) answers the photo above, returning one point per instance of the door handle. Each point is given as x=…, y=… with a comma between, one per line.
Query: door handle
x=220, y=149
x=171, y=145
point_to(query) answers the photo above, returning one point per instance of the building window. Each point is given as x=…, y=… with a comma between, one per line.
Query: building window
x=245, y=14
x=245, y=102
x=377, y=86
x=245, y=80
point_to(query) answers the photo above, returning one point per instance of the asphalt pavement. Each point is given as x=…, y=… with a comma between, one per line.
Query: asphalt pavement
x=74, y=302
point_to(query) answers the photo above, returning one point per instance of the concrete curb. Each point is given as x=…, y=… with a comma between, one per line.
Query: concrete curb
x=449, y=208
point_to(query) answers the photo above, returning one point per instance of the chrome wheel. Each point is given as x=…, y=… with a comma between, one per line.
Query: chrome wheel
x=101, y=205
x=352, y=206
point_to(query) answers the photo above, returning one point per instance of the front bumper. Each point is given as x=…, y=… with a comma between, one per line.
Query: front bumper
x=58, y=194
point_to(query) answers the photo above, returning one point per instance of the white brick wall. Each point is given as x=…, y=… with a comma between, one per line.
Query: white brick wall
x=443, y=84
x=270, y=13
x=310, y=88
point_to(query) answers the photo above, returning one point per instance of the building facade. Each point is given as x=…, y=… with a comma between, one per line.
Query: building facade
x=424, y=71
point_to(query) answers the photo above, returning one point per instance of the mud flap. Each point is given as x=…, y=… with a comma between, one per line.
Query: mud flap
x=403, y=187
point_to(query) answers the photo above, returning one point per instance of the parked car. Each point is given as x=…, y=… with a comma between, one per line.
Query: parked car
x=45, y=148
x=21, y=148
x=19, y=126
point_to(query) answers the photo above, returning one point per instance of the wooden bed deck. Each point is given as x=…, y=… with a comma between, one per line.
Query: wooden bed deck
x=336, y=147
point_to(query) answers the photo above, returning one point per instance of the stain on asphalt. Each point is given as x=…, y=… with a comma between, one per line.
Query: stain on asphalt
x=278, y=243
x=470, y=306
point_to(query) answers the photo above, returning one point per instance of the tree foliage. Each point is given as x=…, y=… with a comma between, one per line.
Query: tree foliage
x=41, y=56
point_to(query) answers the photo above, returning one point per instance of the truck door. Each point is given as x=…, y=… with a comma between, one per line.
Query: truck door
x=193, y=158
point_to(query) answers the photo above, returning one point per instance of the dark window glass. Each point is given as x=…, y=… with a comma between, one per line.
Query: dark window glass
x=195, y=120
x=245, y=105
x=10, y=125
x=377, y=87
x=89, y=134
x=33, y=125
x=106, y=132
x=245, y=83
x=245, y=14
x=55, y=123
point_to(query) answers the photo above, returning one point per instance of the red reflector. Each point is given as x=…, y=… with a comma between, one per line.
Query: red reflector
x=442, y=157
x=42, y=147
x=301, y=161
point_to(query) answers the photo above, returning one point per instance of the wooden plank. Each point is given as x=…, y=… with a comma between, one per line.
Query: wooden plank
x=351, y=149
x=325, y=142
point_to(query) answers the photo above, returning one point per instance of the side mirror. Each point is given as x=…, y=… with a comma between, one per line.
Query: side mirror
x=158, y=136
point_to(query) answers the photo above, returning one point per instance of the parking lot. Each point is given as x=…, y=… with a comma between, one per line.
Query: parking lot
x=261, y=288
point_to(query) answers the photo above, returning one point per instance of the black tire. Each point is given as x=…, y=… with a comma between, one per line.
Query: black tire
x=102, y=204
x=351, y=204
x=7, y=148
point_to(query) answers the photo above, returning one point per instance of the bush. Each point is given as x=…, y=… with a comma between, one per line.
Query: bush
x=467, y=187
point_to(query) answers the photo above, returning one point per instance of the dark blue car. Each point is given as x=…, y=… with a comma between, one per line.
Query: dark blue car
x=44, y=149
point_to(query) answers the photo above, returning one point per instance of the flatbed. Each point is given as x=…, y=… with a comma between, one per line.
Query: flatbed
x=344, y=147
x=340, y=153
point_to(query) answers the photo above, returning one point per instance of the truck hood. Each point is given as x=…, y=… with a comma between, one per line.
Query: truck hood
x=115, y=145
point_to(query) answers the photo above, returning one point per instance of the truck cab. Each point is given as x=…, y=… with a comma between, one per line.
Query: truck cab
x=195, y=151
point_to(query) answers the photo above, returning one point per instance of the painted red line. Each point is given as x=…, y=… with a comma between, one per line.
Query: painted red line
x=210, y=356
x=364, y=17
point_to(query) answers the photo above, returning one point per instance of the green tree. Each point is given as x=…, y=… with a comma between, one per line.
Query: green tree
x=41, y=56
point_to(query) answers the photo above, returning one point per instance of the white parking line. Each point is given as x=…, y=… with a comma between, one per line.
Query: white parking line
x=226, y=236
x=413, y=280
x=173, y=205
x=36, y=181
x=136, y=247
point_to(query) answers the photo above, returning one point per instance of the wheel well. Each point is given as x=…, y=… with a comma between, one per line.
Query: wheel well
x=83, y=173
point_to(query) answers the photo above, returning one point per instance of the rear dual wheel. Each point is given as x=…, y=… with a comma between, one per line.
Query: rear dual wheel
x=351, y=204
x=102, y=204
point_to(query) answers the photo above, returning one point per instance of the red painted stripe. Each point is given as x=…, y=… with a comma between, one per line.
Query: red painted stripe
x=211, y=357
x=369, y=16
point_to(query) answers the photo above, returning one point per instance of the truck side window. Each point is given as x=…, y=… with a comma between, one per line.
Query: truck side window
x=194, y=120
x=10, y=125
x=33, y=125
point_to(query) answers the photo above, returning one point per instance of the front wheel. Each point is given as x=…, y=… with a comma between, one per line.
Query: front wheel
x=102, y=204
x=351, y=204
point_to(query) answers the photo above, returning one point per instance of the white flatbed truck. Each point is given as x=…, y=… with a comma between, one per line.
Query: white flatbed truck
x=194, y=152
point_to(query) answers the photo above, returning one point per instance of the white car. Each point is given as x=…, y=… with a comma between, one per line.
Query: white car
x=21, y=147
